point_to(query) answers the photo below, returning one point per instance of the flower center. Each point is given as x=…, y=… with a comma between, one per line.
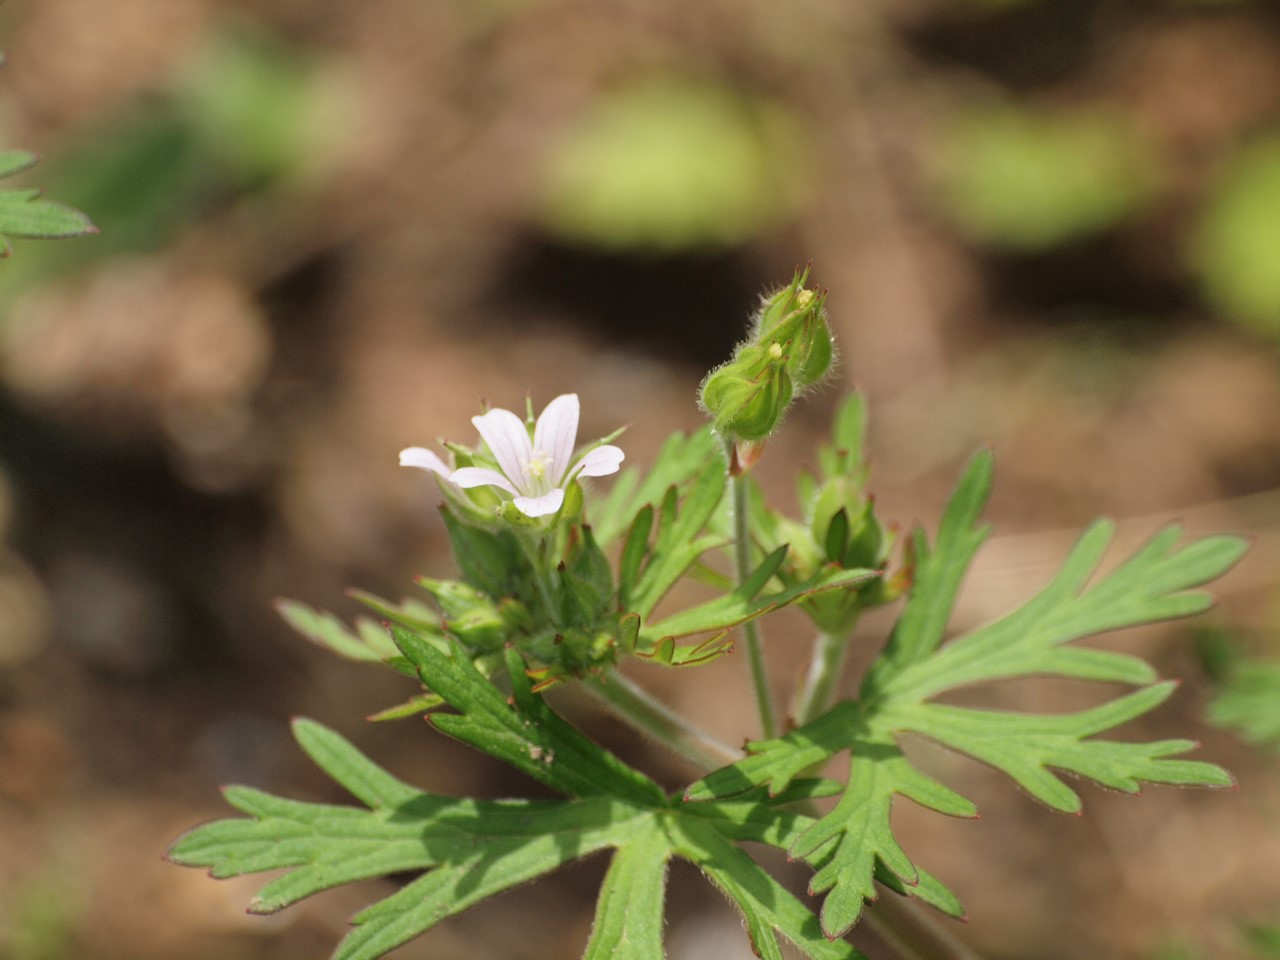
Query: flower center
x=536, y=470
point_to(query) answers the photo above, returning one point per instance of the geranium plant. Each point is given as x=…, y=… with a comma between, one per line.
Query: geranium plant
x=559, y=584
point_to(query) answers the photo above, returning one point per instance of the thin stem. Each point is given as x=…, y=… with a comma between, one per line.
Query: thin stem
x=639, y=708
x=904, y=926
x=819, y=688
x=534, y=551
x=742, y=563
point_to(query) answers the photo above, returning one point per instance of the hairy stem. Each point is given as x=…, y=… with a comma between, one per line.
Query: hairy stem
x=742, y=564
x=649, y=715
x=819, y=687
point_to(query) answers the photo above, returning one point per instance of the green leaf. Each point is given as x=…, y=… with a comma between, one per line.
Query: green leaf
x=481, y=846
x=15, y=161
x=767, y=907
x=629, y=911
x=742, y=605
x=470, y=850
x=680, y=540
x=527, y=735
x=370, y=642
x=1154, y=584
x=682, y=458
x=24, y=214
x=938, y=575
x=853, y=844
x=1026, y=747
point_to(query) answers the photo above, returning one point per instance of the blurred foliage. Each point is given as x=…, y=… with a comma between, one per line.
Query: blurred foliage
x=243, y=117
x=254, y=102
x=1026, y=179
x=1247, y=700
x=672, y=163
x=1236, y=247
x=42, y=920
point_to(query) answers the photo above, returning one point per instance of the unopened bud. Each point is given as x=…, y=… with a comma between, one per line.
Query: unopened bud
x=789, y=350
x=747, y=405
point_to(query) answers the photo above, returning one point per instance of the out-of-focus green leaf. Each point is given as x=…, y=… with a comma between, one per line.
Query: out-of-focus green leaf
x=672, y=163
x=368, y=642
x=1025, y=180
x=1236, y=246
x=1249, y=702
x=140, y=175
x=253, y=100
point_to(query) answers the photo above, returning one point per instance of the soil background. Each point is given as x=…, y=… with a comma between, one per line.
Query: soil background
x=332, y=230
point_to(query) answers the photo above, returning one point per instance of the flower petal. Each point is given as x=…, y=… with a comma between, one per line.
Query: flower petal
x=424, y=459
x=556, y=433
x=481, y=477
x=507, y=437
x=541, y=506
x=599, y=462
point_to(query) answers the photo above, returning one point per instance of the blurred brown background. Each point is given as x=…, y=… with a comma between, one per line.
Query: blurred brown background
x=329, y=230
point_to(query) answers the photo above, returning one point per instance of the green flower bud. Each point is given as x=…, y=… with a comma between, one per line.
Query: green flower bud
x=747, y=399
x=789, y=350
x=794, y=324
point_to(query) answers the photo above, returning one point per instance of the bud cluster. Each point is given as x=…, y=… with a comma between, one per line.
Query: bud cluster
x=839, y=526
x=788, y=351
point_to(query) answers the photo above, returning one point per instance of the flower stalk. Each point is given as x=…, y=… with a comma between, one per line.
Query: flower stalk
x=642, y=710
x=817, y=691
x=738, y=488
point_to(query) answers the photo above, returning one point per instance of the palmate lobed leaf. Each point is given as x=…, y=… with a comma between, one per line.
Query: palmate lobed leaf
x=854, y=841
x=473, y=849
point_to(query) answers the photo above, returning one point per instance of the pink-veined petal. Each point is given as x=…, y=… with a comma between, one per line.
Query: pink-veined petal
x=481, y=477
x=599, y=462
x=507, y=437
x=424, y=459
x=556, y=433
x=541, y=506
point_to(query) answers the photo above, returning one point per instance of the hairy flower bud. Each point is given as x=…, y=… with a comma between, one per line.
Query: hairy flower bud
x=793, y=324
x=789, y=350
x=747, y=397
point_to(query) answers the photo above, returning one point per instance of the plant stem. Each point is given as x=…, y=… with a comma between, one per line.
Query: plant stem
x=904, y=926
x=742, y=563
x=649, y=715
x=819, y=687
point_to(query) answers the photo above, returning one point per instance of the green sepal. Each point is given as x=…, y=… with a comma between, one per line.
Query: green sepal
x=490, y=560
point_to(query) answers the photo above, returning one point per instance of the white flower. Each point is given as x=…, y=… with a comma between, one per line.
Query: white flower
x=424, y=459
x=534, y=472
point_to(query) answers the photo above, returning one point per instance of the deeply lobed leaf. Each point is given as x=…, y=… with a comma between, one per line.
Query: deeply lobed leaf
x=853, y=844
